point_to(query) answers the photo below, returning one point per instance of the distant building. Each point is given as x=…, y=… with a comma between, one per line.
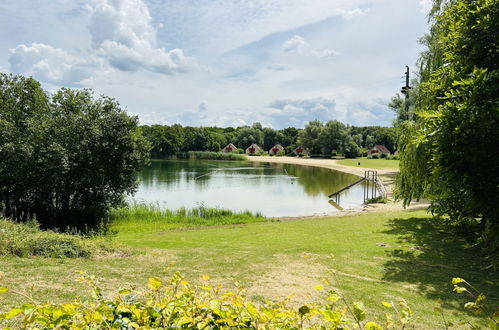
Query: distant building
x=397, y=152
x=334, y=152
x=253, y=149
x=276, y=149
x=301, y=151
x=230, y=148
x=380, y=150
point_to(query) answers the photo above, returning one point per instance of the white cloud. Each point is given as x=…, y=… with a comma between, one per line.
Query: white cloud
x=353, y=13
x=122, y=33
x=295, y=44
x=298, y=112
x=122, y=37
x=276, y=67
x=324, y=53
x=50, y=64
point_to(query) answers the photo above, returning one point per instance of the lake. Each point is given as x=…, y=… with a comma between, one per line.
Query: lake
x=275, y=190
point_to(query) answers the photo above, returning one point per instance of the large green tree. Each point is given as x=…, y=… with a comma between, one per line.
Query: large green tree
x=450, y=154
x=68, y=159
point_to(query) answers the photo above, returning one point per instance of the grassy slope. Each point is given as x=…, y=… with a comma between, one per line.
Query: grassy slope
x=371, y=163
x=365, y=271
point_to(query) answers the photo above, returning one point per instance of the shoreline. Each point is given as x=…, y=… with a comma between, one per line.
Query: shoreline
x=387, y=176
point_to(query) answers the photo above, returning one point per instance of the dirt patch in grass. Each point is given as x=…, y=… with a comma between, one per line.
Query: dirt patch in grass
x=290, y=278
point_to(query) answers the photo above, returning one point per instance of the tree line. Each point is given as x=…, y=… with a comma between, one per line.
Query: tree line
x=318, y=137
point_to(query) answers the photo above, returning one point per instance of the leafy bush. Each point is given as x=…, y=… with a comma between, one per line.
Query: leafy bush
x=27, y=239
x=176, y=303
x=352, y=150
x=373, y=156
x=377, y=199
x=66, y=158
x=393, y=157
x=383, y=155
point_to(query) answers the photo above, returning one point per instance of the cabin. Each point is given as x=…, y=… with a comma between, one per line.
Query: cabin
x=253, y=149
x=276, y=149
x=379, y=150
x=230, y=148
x=301, y=151
x=334, y=152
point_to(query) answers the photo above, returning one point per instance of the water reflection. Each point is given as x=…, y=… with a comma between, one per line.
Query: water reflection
x=273, y=189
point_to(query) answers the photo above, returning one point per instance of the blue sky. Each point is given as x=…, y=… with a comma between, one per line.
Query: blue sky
x=221, y=62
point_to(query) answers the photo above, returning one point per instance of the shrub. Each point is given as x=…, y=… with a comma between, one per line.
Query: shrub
x=27, y=239
x=175, y=303
x=377, y=199
x=66, y=158
x=393, y=157
x=24, y=240
x=383, y=155
x=373, y=156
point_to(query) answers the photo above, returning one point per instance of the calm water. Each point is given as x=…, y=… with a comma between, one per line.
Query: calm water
x=272, y=189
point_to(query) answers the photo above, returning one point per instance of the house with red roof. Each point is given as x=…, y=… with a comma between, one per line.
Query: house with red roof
x=253, y=149
x=379, y=150
x=230, y=148
x=276, y=149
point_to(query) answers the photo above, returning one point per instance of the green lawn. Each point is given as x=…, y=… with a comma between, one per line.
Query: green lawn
x=381, y=164
x=374, y=257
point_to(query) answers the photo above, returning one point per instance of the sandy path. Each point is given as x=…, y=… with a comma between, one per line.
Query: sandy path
x=387, y=176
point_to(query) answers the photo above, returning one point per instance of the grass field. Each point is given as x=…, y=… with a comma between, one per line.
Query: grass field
x=381, y=164
x=370, y=257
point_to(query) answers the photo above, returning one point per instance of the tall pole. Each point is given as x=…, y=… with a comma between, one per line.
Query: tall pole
x=405, y=91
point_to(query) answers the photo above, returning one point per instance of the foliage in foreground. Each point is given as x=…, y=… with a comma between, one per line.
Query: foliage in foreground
x=176, y=303
x=142, y=216
x=27, y=239
x=67, y=158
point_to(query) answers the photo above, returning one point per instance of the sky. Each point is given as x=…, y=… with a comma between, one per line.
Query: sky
x=221, y=62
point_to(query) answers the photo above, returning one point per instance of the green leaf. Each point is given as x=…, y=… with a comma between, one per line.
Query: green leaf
x=3, y=289
x=13, y=312
x=333, y=297
x=457, y=280
x=125, y=291
x=373, y=326
x=387, y=304
x=154, y=283
x=358, y=311
x=459, y=289
x=319, y=287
